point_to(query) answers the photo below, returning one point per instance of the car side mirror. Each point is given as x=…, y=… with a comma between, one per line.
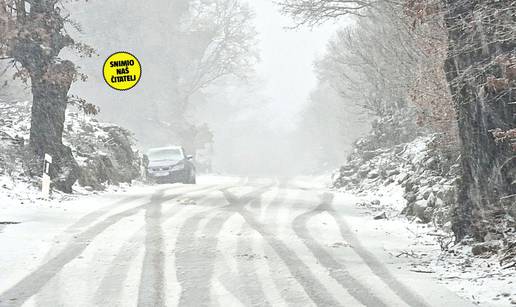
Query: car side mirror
x=189, y=157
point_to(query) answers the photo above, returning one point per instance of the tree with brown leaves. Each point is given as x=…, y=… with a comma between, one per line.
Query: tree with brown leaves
x=32, y=34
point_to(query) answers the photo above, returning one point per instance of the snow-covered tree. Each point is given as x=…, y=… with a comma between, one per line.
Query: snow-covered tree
x=480, y=73
x=32, y=35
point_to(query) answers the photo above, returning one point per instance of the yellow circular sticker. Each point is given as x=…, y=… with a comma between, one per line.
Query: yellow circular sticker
x=122, y=71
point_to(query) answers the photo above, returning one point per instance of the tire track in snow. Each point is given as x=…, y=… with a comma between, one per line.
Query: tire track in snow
x=195, y=257
x=246, y=269
x=86, y=220
x=335, y=269
x=152, y=281
x=242, y=281
x=227, y=269
x=151, y=286
x=111, y=285
x=278, y=200
x=92, y=216
x=32, y=284
x=376, y=266
x=297, y=268
x=292, y=296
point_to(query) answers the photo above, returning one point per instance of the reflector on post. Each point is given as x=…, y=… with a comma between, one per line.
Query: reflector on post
x=45, y=184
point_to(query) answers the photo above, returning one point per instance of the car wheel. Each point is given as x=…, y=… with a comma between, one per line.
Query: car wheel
x=191, y=178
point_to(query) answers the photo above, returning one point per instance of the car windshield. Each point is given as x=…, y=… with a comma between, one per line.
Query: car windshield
x=165, y=154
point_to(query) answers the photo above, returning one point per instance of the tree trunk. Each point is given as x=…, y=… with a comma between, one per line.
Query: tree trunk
x=480, y=31
x=50, y=91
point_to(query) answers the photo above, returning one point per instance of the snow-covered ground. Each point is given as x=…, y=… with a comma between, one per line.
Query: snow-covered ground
x=482, y=280
x=226, y=241
x=411, y=187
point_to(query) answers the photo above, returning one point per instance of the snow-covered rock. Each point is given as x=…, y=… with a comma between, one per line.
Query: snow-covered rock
x=419, y=181
x=425, y=175
x=105, y=152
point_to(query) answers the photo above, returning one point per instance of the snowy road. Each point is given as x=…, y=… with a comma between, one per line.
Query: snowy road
x=227, y=242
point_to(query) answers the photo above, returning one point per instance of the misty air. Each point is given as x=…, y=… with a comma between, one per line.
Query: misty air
x=257, y=153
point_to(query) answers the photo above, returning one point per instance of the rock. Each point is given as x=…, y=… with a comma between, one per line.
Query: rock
x=347, y=173
x=439, y=203
x=447, y=194
x=110, y=162
x=363, y=171
x=420, y=210
x=393, y=172
x=492, y=236
x=485, y=247
x=428, y=215
x=342, y=182
x=455, y=169
x=439, y=179
x=427, y=192
x=382, y=216
x=403, y=178
x=373, y=175
x=347, y=167
x=410, y=197
x=431, y=200
x=389, y=181
x=420, y=206
x=368, y=155
x=399, y=148
x=391, y=166
x=432, y=163
x=409, y=185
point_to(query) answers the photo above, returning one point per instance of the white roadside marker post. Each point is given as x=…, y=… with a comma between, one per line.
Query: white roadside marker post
x=45, y=184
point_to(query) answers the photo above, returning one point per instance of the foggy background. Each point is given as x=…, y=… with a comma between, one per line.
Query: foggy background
x=278, y=120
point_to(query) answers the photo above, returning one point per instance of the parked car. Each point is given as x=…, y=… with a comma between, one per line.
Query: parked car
x=170, y=165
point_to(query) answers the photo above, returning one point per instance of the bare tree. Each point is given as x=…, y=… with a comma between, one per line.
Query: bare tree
x=480, y=73
x=329, y=125
x=215, y=42
x=315, y=12
x=218, y=40
x=385, y=65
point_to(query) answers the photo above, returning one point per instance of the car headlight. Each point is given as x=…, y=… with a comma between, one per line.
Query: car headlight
x=178, y=167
